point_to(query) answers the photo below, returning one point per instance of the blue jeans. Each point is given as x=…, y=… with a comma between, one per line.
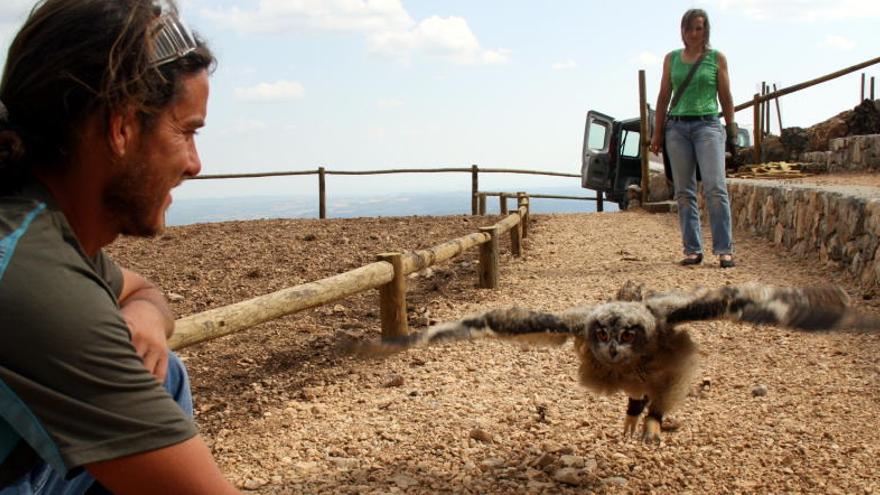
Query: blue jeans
x=45, y=480
x=692, y=144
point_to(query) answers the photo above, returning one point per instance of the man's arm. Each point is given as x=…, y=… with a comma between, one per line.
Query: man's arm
x=149, y=320
x=185, y=468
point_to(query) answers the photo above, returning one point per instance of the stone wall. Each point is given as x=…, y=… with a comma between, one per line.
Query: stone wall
x=848, y=154
x=839, y=225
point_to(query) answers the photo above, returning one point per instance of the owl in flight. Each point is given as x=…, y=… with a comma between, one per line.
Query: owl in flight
x=632, y=343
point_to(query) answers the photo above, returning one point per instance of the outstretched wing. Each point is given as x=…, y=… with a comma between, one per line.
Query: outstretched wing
x=810, y=309
x=521, y=324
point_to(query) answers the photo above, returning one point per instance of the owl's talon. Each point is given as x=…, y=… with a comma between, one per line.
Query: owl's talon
x=629, y=426
x=651, y=431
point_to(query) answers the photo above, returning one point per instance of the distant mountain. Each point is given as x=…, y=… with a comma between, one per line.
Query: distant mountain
x=188, y=211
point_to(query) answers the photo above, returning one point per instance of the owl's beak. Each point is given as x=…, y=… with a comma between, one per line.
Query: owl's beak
x=612, y=351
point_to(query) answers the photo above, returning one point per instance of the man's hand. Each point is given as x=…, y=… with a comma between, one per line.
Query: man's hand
x=149, y=320
x=147, y=329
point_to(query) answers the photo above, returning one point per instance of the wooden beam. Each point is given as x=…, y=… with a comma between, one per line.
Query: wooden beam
x=811, y=82
x=643, y=144
x=756, y=146
x=222, y=321
x=322, y=193
x=475, y=187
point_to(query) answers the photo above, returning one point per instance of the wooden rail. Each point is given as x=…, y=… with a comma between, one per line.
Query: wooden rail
x=388, y=275
x=758, y=100
x=476, y=207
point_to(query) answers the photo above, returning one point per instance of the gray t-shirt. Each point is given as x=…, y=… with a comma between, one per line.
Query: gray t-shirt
x=72, y=388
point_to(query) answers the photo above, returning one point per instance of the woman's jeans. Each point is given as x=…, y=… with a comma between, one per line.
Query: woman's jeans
x=700, y=143
x=45, y=480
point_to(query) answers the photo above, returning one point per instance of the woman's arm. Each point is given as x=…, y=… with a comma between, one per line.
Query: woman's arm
x=662, y=102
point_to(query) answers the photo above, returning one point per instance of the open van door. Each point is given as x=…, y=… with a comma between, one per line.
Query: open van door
x=596, y=170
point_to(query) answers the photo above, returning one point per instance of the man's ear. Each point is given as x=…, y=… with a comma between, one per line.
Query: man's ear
x=123, y=128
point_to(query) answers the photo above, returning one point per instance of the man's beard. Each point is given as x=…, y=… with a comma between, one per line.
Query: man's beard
x=134, y=197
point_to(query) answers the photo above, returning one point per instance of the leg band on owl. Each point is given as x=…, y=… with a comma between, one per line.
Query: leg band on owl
x=635, y=407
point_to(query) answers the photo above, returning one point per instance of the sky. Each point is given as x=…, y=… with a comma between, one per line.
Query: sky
x=376, y=84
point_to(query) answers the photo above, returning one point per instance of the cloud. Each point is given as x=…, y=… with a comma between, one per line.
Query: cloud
x=649, y=59
x=803, y=10
x=564, y=65
x=386, y=26
x=837, y=43
x=389, y=103
x=244, y=127
x=271, y=92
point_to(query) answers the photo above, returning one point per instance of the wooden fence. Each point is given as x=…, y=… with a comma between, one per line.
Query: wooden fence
x=474, y=170
x=388, y=274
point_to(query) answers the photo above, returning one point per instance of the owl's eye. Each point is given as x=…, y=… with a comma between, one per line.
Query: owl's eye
x=627, y=336
x=602, y=335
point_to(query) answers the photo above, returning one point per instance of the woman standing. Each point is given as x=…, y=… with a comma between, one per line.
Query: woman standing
x=695, y=137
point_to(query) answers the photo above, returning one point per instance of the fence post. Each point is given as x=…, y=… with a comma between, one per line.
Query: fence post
x=489, y=259
x=645, y=139
x=862, y=88
x=503, y=204
x=392, y=299
x=778, y=111
x=757, y=126
x=475, y=187
x=872, y=88
x=600, y=201
x=322, y=193
x=523, y=200
x=516, y=237
x=482, y=197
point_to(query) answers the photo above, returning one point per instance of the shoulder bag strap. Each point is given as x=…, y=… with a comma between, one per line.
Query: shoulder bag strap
x=687, y=80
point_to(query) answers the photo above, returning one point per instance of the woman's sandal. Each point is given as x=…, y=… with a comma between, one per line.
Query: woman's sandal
x=692, y=259
x=726, y=263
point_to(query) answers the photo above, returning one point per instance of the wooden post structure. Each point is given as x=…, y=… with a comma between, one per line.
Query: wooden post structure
x=482, y=201
x=643, y=145
x=489, y=259
x=322, y=193
x=862, y=88
x=475, y=187
x=392, y=299
x=778, y=111
x=523, y=200
x=872, y=88
x=502, y=206
x=764, y=123
x=600, y=201
x=757, y=127
x=516, y=237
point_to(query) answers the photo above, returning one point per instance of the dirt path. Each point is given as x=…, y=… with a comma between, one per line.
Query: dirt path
x=284, y=413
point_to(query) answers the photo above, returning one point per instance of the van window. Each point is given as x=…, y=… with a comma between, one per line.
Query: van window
x=629, y=146
x=598, y=131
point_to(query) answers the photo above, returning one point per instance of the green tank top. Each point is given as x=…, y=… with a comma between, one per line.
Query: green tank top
x=701, y=95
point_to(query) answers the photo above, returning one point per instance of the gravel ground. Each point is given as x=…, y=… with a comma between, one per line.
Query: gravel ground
x=770, y=411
